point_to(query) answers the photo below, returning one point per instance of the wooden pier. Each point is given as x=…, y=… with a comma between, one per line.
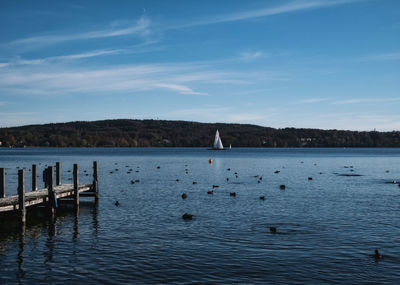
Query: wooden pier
x=49, y=196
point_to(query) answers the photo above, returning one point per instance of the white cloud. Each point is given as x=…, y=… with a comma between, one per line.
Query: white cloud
x=141, y=27
x=313, y=100
x=382, y=57
x=290, y=7
x=58, y=79
x=365, y=100
x=179, y=88
x=8, y=119
x=249, y=56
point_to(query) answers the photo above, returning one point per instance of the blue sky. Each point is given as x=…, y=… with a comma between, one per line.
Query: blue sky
x=330, y=64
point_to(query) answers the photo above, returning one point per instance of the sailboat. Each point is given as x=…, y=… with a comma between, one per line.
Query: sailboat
x=217, y=142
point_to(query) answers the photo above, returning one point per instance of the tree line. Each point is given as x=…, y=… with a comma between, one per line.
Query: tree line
x=160, y=133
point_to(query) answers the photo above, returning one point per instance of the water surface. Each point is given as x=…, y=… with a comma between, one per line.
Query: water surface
x=327, y=227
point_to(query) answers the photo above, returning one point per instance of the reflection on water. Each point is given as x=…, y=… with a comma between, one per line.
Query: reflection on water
x=20, y=259
x=41, y=224
x=327, y=227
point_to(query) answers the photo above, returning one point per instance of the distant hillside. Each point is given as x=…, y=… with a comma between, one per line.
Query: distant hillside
x=155, y=133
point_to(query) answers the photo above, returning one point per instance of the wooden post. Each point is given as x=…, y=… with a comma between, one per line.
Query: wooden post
x=34, y=177
x=51, y=195
x=58, y=173
x=95, y=181
x=21, y=195
x=2, y=182
x=76, y=185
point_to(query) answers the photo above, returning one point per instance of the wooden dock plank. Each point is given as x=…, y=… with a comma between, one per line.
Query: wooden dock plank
x=39, y=196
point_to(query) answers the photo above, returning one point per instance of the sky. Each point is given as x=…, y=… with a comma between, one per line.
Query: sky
x=328, y=64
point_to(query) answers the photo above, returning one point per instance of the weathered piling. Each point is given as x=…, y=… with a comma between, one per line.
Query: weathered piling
x=21, y=196
x=2, y=182
x=50, y=194
x=47, y=196
x=76, y=186
x=34, y=177
x=95, y=181
x=58, y=173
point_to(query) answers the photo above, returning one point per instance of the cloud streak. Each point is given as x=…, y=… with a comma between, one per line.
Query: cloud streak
x=382, y=57
x=59, y=79
x=249, y=56
x=313, y=100
x=294, y=6
x=141, y=27
x=365, y=100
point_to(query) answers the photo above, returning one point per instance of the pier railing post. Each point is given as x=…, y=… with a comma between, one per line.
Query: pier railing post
x=51, y=195
x=21, y=195
x=2, y=182
x=34, y=177
x=76, y=185
x=58, y=173
x=95, y=181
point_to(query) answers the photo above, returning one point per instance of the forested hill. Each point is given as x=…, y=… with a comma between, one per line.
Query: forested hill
x=155, y=133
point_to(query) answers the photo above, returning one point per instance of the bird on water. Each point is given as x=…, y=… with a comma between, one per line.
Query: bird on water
x=187, y=216
x=377, y=255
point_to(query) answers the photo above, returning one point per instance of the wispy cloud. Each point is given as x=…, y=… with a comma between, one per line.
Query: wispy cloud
x=382, y=57
x=17, y=118
x=179, y=88
x=293, y=6
x=313, y=100
x=249, y=56
x=58, y=79
x=134, y=49
x=69, y=57
x=366, y=100
x=141, y=27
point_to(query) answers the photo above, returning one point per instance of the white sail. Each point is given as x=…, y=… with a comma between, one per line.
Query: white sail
x=217, y=142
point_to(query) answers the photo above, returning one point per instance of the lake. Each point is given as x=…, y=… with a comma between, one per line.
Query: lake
x=327, y=227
